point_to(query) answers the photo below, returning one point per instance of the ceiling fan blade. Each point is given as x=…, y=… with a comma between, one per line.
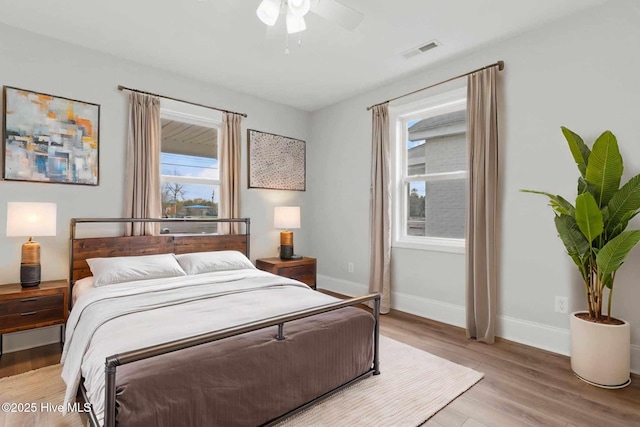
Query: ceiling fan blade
x=277, y=30
x=334, y=11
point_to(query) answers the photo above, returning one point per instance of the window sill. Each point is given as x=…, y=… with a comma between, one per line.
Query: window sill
x=456, y=246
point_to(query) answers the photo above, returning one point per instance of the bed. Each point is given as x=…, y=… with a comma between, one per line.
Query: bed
x=228, y=346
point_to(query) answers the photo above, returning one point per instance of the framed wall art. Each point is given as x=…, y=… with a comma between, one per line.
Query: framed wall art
x=49, y=138
x=276, y=162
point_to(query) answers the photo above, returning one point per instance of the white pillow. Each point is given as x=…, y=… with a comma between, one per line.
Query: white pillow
x=107, y=271
x=80, y=287
x=209, y=262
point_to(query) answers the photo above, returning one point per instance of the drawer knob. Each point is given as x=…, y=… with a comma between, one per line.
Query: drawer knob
x=29, y=299
x=31, y=313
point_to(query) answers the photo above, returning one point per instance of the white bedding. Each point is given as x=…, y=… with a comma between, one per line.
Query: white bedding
x=80, y=287
x=117, y=318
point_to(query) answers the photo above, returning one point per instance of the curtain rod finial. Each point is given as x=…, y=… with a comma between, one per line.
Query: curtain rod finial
x=500, y=65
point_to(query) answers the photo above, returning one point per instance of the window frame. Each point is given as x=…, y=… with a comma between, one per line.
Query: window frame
x=166, y=113
x=454, y=100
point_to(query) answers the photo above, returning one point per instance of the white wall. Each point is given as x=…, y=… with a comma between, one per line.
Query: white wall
x=42, y=64
x=580, y=72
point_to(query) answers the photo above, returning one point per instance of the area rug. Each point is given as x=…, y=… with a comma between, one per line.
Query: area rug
x=412, y=387
x=35, y=399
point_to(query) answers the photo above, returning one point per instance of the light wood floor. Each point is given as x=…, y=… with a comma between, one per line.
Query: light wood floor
x=523, y=386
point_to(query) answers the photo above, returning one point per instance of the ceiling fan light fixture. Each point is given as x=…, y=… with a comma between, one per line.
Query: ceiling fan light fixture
x=295, y=24
x=299, y=7
x=268, y=11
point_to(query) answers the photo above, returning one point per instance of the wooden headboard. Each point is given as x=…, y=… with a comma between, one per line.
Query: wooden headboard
x=101, y=247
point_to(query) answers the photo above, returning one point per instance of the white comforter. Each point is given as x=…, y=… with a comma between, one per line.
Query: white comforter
x=116, y=318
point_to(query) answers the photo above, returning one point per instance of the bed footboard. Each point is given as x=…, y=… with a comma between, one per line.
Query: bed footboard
x=295, y=334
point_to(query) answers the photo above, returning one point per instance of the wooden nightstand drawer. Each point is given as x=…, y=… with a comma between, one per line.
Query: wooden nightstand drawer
x=303, y=270
x=303, y=273
x=28, y=304
x=31, y=317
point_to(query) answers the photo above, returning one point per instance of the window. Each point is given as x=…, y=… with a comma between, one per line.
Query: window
x=431, y=170
x=189, y=176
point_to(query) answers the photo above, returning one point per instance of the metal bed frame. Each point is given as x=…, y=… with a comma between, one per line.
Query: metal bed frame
x=112, y=362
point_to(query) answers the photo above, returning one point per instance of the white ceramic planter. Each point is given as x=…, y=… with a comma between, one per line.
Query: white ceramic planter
x=601, y=354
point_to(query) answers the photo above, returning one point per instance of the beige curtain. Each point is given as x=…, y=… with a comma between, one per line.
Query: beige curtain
x=482, y=153
x=380, y=208
x=230, y=171
x=142, y=192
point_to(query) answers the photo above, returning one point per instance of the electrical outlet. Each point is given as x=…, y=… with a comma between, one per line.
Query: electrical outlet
x=350, y=267
x=562, y=305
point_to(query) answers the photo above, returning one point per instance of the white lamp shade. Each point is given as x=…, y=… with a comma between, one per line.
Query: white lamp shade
x=295, y=24
x=286, y=217
x=29, y=219
x=268, y=11
x=299, y=7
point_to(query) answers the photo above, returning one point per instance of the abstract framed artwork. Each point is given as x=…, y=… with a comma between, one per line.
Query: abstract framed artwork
x=276, y=162
x=49, y=138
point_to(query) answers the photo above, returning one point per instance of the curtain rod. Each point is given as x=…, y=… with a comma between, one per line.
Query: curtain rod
x=121, y=88
x=499, y=64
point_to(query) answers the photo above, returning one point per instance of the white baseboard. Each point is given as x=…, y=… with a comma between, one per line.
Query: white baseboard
x=545, y=337
x=419, y=306
x=344, y=287
x=424, y=307
x=534, y=334
x=28, y=339
x=635, y=359
x=444, y=312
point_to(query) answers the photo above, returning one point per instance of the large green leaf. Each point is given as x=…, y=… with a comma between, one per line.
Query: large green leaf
x=589, y=216
x=579, y=149
x=605, y=167
x=619, y=226
x=613, y=254
x=625, y=200
x=573, y=239
x=559, y=204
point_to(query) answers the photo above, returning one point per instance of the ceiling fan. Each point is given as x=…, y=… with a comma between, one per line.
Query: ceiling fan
x=269, y=10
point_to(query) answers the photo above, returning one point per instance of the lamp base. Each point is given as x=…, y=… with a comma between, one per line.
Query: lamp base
x=286, y=252
x=286, y=246
x=29, y=275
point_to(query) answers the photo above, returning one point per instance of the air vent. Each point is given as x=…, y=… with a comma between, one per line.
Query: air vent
x=428, y=46
x=420, y=49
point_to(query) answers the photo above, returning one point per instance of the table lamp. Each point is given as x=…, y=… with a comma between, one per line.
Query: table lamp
x=26, y=219
x=287, y=217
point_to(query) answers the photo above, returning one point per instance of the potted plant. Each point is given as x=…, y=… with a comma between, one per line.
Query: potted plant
x=595, y=235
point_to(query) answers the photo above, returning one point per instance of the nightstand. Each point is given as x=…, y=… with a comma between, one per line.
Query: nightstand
x=303, y=269
x=36, y=307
